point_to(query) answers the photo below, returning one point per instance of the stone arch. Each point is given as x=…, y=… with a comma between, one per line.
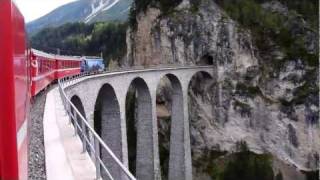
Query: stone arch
x=76, y=101
x=199, y=102
x=141, y=151
x=107, y=123
x=203, y=73
x=176, y=125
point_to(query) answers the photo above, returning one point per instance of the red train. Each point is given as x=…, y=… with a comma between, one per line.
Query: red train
x=23, y=73
x=46, y=68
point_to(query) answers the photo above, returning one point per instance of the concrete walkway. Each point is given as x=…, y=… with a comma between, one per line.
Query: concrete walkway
x=63, y=150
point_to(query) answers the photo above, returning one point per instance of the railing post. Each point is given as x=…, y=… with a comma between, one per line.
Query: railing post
x=71, y=116
x=75, y=122
x=84, y=143
x=97, y=156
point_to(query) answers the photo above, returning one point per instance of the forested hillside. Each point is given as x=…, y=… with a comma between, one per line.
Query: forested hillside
x=84, y=39
x=83, y=11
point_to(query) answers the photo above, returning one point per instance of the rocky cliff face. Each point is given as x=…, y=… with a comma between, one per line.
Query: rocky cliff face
x=256, y=97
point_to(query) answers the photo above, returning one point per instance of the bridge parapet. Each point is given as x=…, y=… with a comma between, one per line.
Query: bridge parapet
x=89, y=87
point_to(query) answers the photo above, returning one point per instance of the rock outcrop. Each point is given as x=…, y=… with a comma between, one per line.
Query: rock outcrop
x=274, y=110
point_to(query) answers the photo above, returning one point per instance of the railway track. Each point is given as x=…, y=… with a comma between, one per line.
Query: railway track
x=37, y=167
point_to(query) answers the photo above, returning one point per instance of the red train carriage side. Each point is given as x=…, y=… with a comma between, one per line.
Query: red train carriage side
x=42, y=70
x=67, y=66
x=14, y=93
x=48, y=67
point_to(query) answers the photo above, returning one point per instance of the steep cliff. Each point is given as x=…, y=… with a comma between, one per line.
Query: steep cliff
x=265, y=88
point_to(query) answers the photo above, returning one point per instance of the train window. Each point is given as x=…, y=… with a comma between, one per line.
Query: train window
x=45, y=65
x=39, y=66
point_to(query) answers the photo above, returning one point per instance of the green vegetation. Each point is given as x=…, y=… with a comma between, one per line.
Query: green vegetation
x=243, y=108
x=166, y=7
x=248, y=91
x=195, y=5
x=309, y=9
x=243, y=165
x=271, y=29
x=301, y=93
x=84, y=39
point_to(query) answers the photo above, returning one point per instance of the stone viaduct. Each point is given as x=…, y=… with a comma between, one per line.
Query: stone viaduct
x=102, y=101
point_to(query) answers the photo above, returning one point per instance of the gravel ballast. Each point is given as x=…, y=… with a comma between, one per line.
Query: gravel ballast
x=37, y=165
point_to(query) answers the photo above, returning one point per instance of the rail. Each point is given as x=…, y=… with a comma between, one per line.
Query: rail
x=97, y=142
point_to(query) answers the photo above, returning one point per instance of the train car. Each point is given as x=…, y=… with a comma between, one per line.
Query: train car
x=46, y=68
x=43, y=68
x=67, y=66
x=92, y=64
x=14, y=93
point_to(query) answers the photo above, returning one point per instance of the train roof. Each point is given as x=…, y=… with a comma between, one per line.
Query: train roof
x=43, y=54
x=91, y=58
x=56, y=57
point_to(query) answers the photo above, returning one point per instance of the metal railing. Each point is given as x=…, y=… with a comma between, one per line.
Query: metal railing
x=95, y=144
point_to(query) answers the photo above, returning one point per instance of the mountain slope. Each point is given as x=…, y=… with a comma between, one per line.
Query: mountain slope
x=87, y=11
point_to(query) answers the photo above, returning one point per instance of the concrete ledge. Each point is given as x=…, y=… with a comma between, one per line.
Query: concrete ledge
x=63, y=150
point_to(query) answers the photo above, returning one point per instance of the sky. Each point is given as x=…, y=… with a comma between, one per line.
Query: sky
x=33, y=9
